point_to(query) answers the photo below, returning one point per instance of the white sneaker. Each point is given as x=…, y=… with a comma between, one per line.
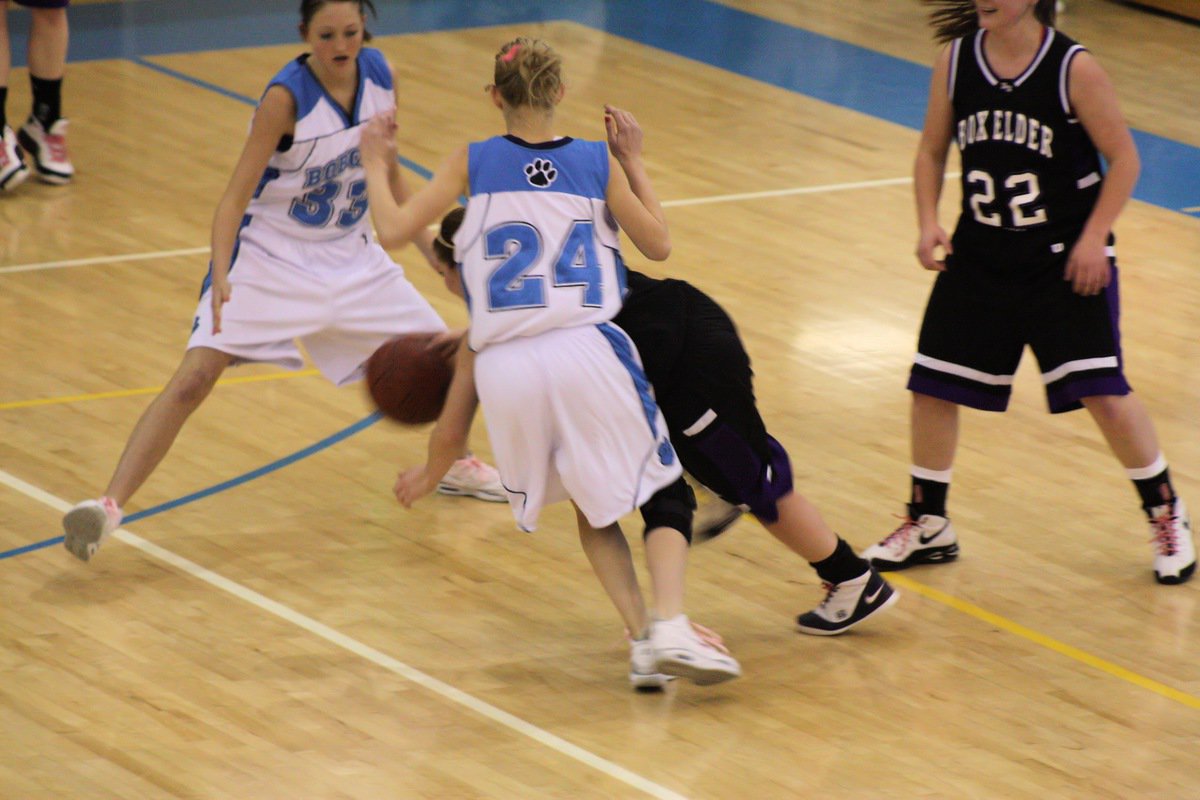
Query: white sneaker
x=470, y=477
x=1174, y=549
x=643, y=670
x=848, y=603
x=679, y=650
x=929, y=539
x=87, y=525
x=13, y=171
x=49, y=150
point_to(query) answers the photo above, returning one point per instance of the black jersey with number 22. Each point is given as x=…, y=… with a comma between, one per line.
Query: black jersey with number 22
x=1030, y=173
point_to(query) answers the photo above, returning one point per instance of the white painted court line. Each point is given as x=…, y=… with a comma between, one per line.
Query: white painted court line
x=798, y=190
x=695, y=201
x=84, y=262
x=309, y=624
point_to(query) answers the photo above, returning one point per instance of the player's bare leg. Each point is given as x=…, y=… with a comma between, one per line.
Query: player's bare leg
x=162, y=420
x=89, y=523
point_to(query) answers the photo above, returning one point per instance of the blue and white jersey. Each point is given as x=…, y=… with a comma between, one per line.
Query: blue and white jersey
x=316, y=189
x=538, y=248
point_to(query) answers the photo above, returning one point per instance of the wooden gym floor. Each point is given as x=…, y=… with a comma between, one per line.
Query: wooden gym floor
x=298, y=634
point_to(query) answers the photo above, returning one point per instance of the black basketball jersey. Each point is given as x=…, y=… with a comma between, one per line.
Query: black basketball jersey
x=1030, y=173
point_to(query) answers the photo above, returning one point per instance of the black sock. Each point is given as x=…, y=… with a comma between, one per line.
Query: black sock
x=843, y=565
x=1156, y=490
x=3, y=106
x=928, y=497
x=47, y=100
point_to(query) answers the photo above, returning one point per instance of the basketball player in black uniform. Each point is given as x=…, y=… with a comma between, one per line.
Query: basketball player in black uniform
x=694, y=358
x=1031, y=262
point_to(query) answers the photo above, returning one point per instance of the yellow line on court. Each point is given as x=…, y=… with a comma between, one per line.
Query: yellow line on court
x=79, y=398
x=1045, y=641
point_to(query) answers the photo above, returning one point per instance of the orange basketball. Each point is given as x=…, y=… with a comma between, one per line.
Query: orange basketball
x=407, y=378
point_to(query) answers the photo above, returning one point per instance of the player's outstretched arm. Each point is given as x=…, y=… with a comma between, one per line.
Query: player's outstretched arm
x=448, y=441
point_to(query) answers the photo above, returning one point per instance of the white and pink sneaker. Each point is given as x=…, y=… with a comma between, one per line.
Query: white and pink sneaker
x=13, y=171
x=470, y=477
x=1174, y=548
x=48, y=148
x=691, y=651
x=88, y=524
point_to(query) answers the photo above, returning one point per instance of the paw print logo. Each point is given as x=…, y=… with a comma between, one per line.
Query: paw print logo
x=541, y=173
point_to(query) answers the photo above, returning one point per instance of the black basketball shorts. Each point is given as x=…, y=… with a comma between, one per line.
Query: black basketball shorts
x=978, y=322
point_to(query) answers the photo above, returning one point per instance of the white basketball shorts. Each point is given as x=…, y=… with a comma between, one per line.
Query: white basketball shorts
x=341, y=299
x=570, y=414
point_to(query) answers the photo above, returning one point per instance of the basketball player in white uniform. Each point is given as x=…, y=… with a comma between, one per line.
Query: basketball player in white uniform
x=293, y=257
x=568, y=407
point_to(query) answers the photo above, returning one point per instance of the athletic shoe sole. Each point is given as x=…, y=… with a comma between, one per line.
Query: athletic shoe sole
x=1184, y=576
x=83, y=529
x=930, y=555
x=478, y=494
x=682, y=664
x=14, y=180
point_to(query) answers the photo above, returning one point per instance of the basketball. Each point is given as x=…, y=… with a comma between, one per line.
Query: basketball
x=407, y=378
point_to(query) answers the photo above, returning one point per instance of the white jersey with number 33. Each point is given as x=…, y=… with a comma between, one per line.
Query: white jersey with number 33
x=538, y=249
x=316, y=189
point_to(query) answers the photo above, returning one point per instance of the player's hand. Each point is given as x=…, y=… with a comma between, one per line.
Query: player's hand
x=412, y=484
x=446, y=343
x=624, y=133
x=221, y=292
x=379, y=139
x=930, y=239
x=1088, y=267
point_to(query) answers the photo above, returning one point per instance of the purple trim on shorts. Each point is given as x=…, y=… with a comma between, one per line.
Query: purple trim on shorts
x=1066, y=394
x=1112, y=293
x=756, y=485
x=922, y=383
x=43, y=3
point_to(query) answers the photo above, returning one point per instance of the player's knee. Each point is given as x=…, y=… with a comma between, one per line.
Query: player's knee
x=190, y=386
x=670, y=507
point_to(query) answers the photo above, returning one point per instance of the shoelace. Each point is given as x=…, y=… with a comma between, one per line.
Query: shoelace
x=58, y=147
x=1164, y=534
x=901, y=535
x=831, y=589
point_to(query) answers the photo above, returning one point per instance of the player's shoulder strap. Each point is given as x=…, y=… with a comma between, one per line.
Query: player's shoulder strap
x=299, y=80
x=374, y=67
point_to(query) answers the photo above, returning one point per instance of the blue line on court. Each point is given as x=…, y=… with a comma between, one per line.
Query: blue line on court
x=328, y=441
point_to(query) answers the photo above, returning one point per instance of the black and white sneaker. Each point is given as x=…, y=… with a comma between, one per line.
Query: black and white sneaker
x=848, y=603
x=928, y=539
x=713, y=517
